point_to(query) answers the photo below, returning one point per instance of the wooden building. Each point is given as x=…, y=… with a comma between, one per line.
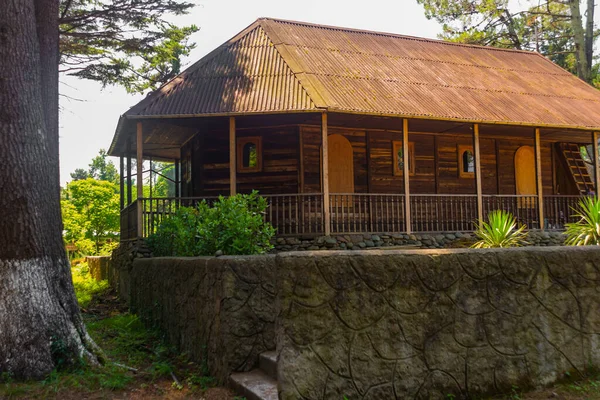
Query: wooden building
x=350, y=131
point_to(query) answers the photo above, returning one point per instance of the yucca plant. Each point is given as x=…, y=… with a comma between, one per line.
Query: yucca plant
x=586, y=231
x=501, y=230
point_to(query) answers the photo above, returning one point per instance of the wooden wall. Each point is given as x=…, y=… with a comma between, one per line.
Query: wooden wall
x=292, y=162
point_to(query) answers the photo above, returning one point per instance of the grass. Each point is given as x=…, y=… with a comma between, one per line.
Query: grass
x=140, y=364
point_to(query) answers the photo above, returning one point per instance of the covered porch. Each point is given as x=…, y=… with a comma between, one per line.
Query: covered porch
x=339, y=173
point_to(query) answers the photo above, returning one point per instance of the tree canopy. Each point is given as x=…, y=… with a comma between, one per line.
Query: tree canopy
x=100, y=168
x=129, y=43
x=555, y=28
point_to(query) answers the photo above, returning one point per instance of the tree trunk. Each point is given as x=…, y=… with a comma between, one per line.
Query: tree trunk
x=589, y=35
x=40, y=324
x=583, y=68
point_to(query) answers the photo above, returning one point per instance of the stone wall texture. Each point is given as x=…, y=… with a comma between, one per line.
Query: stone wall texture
x=426, y=324
x=382, y=324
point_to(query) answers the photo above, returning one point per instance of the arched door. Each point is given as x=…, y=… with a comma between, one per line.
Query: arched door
x=525, y=174
x=341, y=165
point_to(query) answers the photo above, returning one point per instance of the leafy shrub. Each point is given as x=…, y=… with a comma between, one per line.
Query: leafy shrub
x=85, y=285
x=233, y=225
x=586, y=231
x=500, y=230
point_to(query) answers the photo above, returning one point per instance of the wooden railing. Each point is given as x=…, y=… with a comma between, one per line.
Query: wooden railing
x=296, y=214
x=367, y=213
x=558, y=210
x=443, y=212
x=129, y=222
x=303, y=214
x=523, y=207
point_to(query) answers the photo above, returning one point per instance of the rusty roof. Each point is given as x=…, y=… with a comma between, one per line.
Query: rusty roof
x=286, y=66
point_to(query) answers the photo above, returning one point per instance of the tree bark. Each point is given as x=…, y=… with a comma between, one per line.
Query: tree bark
x=583, y=68
x=589, y=35
x=40, y=323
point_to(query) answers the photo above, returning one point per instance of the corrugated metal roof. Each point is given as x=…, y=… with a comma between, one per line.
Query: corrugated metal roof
x=278, y=66
x=244, y=75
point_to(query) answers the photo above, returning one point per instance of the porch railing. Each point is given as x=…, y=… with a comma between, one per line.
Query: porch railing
x=443, y=213
x=523, y=207
x=367, y=213
x=303, y=214
x=558, y=210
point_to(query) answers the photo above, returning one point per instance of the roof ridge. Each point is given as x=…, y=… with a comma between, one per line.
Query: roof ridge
x=395, y=35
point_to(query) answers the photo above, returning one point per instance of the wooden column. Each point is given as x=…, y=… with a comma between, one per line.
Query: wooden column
x=232, y=158
x=129, y=188
x=596, y=163
x=325, y=175
x=122, y=182
x=406, y=175
x=538, y=177
x=478, y=172
x=140, y=179
x=177, y=178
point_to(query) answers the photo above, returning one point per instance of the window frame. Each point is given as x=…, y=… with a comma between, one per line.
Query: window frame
x=241, y=143
x=461, y=164
x=396, y=145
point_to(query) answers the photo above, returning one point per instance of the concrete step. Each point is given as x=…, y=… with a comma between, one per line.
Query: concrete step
x=267, y=362
x=254, y=385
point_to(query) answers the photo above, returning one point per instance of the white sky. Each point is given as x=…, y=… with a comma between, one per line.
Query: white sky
x=87, y=126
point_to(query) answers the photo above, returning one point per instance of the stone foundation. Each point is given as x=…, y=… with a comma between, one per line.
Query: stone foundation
x=422, y=241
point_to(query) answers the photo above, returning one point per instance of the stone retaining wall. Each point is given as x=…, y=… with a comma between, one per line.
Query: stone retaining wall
x=383, y=240
x=382, y=324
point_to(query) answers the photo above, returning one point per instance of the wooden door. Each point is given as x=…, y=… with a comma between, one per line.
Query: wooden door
x=341, y=165
x=525, y=174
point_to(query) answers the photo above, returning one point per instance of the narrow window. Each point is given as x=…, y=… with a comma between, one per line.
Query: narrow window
x=466, y=162
x=249, y=157
x=398, y=152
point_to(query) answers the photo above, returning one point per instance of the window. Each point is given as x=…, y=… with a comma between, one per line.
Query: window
x=399, y=160
x=249, y=154
x=466, y=162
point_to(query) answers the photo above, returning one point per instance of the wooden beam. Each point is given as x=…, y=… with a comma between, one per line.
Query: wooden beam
x=325, y=175
x=122, y=182
x=140, y=179
x=596, y=163
x=232, y=158
x=538, y=177
x=478, y=187
x=406, y=175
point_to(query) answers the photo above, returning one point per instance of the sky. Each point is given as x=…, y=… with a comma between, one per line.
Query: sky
x=90, y=113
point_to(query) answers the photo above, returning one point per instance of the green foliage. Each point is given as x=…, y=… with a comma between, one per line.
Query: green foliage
x=86, y=287
x=234, y=225
x=100, y=168
x=90, y=210
x=500, y=230
x=586, y=231
x=122, y=42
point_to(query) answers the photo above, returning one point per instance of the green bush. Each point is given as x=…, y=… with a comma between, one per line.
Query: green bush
x=85, y=286
x=500, y=230
x=233, y=225
x=586, y=231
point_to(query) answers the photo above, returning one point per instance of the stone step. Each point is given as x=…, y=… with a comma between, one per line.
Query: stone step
x=267, y=362
x=254, y=385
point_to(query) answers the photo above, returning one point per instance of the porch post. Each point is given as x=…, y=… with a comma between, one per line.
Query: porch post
x=121, y=182
x=478, y=172
x=406, y=175
x=177, y=181
x=325, y=175
x=232, y=158
x=538, y=177
x=140, y=179
x=596, y=163
x=129, y=189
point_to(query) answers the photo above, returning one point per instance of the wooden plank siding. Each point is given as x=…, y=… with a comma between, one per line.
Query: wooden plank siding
x=287, y=148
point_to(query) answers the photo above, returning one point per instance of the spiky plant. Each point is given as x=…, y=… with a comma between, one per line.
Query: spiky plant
x=500, y=230
x=586, y=231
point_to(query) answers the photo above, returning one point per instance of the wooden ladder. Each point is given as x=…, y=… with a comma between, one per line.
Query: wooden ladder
x=577, y=166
